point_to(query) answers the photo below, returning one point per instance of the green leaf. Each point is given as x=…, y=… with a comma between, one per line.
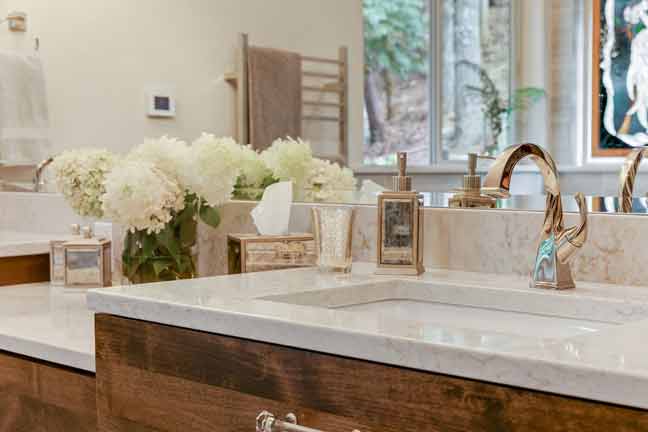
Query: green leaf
x=128, y=241
x=188, y=233
x=146, y=274
x=525, y=97
x=186, y=266
x=168, y=240
x=148, y=245
x=162, y=265
x=187, y=214
x=396, y=34
x=269, y=180
x=210, y=215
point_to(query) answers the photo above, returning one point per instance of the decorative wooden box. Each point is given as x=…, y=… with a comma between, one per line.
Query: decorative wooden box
x=248, y=253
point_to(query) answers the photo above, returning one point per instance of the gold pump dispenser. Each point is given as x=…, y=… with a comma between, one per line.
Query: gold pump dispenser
x=400, y=226
x=470, y=196
x=402, y=182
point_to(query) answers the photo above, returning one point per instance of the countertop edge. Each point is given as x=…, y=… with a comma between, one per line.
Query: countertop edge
x=48, y=353
x=499, y=368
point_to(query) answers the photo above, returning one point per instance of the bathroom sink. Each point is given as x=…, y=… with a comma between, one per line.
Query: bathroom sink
x=483, y=319
x=472, y=315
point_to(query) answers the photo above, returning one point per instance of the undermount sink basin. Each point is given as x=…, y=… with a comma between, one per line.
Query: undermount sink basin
x=471, y=315
x=487, y=320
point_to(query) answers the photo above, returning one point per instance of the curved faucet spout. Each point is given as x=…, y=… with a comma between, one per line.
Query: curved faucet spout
x=557, y=244
x=498, y=179
x=628, y=176
x=38, y=176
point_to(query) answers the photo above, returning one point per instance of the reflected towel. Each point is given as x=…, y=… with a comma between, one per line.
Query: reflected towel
x=24, y=119
x=275, y=95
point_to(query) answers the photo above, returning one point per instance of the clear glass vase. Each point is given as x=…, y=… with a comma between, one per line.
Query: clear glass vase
x=165, y=256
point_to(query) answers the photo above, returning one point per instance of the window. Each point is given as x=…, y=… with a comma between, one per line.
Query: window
x=438, y=79
x=475, y=76
x=397, y=34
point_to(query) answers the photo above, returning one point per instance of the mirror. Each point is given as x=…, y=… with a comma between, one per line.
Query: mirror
x=358, y=79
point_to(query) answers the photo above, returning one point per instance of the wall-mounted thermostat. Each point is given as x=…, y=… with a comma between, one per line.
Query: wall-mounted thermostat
x=161, y=104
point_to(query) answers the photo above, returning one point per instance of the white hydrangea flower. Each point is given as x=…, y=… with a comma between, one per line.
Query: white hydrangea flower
x=80, y=176
x=328, y=182
x=168, y=154
x=141, y=197
x=213, y=167
x=289, y=160
x=253, y=170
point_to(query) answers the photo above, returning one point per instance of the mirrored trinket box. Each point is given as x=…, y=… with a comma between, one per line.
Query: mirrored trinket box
x=249, y=253
x=88, y=262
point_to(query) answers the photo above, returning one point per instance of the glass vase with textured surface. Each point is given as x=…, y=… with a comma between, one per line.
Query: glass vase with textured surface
x=333, y=228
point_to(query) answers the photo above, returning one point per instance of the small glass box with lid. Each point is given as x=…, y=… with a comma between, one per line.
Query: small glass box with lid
x=88, y=262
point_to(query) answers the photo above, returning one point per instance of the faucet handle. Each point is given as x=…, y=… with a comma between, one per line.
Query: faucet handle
x=573, y=238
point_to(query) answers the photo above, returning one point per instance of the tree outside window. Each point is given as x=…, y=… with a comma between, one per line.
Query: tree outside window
x=476, y=101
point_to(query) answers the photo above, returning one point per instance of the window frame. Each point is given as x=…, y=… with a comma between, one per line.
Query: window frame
x=581, y=157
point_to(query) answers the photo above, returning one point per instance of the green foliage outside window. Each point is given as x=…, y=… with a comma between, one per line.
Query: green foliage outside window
x=395, y=46
x=396, y=36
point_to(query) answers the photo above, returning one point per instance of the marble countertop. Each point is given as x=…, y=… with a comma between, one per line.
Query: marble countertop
x=609, y=363
x=49, y=323
x=14, y=243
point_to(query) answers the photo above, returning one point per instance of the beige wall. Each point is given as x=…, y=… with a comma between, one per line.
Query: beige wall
x=101, y=56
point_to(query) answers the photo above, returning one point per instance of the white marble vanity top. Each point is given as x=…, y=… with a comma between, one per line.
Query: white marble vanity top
x=590, y=342
x=15, y=243
x=47, y=323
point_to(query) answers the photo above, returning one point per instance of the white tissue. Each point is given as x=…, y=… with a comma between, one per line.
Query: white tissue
x=369, y=192
x=272, y=215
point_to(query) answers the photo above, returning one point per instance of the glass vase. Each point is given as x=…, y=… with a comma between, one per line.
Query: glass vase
x=165, y=256
x=333, y=230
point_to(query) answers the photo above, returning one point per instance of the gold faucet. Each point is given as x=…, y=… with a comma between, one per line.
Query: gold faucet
x=557, y=244
x=628, y=176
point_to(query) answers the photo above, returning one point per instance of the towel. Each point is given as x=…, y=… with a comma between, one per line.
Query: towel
x=24, y=119
x=275, y=95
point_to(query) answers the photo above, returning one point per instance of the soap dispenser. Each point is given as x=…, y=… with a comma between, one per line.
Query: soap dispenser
x=400, y=227
x=470, y=195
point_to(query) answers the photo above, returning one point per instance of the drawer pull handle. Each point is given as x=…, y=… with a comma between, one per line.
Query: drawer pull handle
x=267, y=422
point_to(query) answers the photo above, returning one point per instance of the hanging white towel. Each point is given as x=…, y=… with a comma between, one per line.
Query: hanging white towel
x=24, y=119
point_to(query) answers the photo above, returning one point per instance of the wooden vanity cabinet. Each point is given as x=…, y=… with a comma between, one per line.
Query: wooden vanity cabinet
x=152, y=377
x=40, y=397
x=24, y=269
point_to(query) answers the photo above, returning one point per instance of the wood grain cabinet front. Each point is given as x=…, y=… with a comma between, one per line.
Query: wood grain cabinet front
x=24, y=269
x=40, y=397
x=152, y=377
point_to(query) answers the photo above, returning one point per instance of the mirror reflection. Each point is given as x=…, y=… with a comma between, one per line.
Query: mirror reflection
x=329, y=97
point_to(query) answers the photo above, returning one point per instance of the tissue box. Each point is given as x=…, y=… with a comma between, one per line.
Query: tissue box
x=249, y=253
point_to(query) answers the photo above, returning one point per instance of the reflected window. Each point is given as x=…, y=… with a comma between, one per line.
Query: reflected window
x=397, y=34
x=441, y=81
x=476, y=76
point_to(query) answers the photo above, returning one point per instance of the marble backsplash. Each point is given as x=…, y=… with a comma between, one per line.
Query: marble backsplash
x=490, y=241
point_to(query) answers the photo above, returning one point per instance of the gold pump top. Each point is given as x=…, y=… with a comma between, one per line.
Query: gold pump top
x=472, y=163
x=402, y=182
x=402, y=164
x=472, y=181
